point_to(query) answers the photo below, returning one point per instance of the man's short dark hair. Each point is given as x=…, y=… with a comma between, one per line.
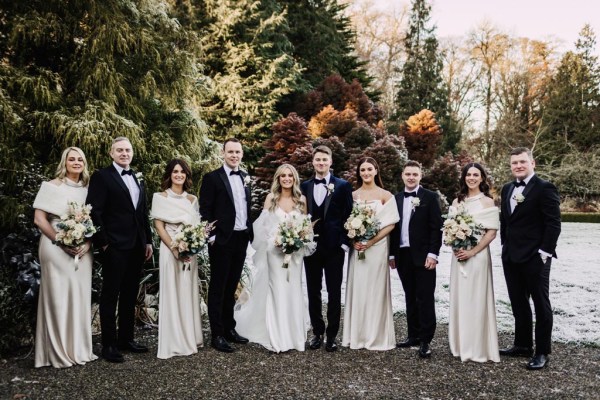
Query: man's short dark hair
x=520, y=150
x=412, y=163
x=321, y=149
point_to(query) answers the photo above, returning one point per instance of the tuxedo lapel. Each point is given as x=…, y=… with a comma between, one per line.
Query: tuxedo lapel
x=225, y=180
x=329, y=195
x=309, y=195
x=528, y=188
x=400, y=204
x=142, y=194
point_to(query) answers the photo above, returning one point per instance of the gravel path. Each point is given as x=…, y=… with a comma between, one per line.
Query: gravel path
x=252, y=372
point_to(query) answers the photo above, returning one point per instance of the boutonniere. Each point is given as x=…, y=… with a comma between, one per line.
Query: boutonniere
x=330, y=188
x=519, y=198
x=415, y=202
x=139, y=176
x=247, y=180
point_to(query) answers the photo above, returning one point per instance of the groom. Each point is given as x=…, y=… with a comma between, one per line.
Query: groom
x=414, y=248
x=329, y=201
x=529, y=230
x=119, y=209
x=225, y=198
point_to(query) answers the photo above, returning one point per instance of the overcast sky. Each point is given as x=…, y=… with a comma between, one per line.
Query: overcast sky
x=535, y=19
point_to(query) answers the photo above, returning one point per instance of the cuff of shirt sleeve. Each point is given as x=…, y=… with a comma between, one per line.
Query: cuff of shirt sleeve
x=542, y=252
x=434, y=256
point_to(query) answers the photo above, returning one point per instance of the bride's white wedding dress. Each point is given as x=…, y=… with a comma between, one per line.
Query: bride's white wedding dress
x=272, y=310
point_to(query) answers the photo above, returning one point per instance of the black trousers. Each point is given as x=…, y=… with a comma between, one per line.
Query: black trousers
x=419, y=288
x=524, y=281
x=332, y=263
x=226, y=265
x=121, y=272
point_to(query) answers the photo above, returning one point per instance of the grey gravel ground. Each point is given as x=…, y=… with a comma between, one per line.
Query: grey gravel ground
x=252, y=372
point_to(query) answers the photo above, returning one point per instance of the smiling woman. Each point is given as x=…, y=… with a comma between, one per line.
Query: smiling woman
x=63, y=331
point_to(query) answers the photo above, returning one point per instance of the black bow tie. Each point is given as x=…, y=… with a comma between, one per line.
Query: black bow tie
x=517, y=183
x=238, y=172
x=126, y=172
x=317, y=181
x=410, y=194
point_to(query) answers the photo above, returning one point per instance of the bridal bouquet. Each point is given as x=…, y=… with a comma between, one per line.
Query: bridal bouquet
x=75, y=227
x=293, y=234
x=460, y=230
x=191, y=240
x=362, y=224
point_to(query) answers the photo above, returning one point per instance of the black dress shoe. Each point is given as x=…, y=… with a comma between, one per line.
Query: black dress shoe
x=330, y=345
x=517, y=351
x=219, y=343
x=316, y=342
x=133, y=347
x=234, y=337
x=424, y=350
x=111, y=354
x=408, y=342
x=538, y=361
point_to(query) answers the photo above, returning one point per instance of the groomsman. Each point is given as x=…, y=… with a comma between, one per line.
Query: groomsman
x=120, y=211
x=225, y=200
x=414, y=248
x=529, y=230
x=329, y=201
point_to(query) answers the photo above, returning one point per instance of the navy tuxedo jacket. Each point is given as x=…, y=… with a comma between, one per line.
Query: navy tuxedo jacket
x=217, y=204
x=338, y=206
x=121, y=224
x=424, y=229
x=535, y=223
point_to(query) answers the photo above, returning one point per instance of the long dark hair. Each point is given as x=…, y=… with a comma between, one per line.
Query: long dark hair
x=166, y=179
x=484, y=186
x=376, y=179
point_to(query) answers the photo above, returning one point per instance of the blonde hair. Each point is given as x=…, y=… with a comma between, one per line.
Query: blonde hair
x=276, y=187
x=61, y=170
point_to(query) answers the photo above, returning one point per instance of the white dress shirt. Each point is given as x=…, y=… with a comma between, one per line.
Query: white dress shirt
x=239, y=199
x=516, y=191
x=406, y=214
x=320, y=190
x=134, y=190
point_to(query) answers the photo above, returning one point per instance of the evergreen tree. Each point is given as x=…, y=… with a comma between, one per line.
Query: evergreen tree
x=78, y=73
x=421, y=85
x=323, y=40
x=572, y=111
x=248, y=59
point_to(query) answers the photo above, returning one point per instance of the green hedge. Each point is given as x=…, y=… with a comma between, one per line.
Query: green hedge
x=581, y=217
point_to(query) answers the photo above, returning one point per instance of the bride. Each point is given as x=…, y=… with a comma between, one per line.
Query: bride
x=272, y=312
x=368, y=317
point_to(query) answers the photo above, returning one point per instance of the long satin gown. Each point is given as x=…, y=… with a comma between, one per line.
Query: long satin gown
x=272, y=310
x=368, y=316
x=63, y=335
x=179, y=318
x=472, y=330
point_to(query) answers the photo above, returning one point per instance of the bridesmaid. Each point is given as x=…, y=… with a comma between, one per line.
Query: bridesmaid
x=63, y=335
x=368, y=317
x=472, y=330
x=179, y=323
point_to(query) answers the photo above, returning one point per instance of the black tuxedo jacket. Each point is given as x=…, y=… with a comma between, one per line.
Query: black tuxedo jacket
x=535, y=223
x=424, y=228
x=217, y=204
x=121, y=224
x=337, y=208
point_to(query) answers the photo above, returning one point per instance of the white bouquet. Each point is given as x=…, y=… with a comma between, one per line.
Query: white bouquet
x=293, y=234
x=75, y=227
x=362, y=224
